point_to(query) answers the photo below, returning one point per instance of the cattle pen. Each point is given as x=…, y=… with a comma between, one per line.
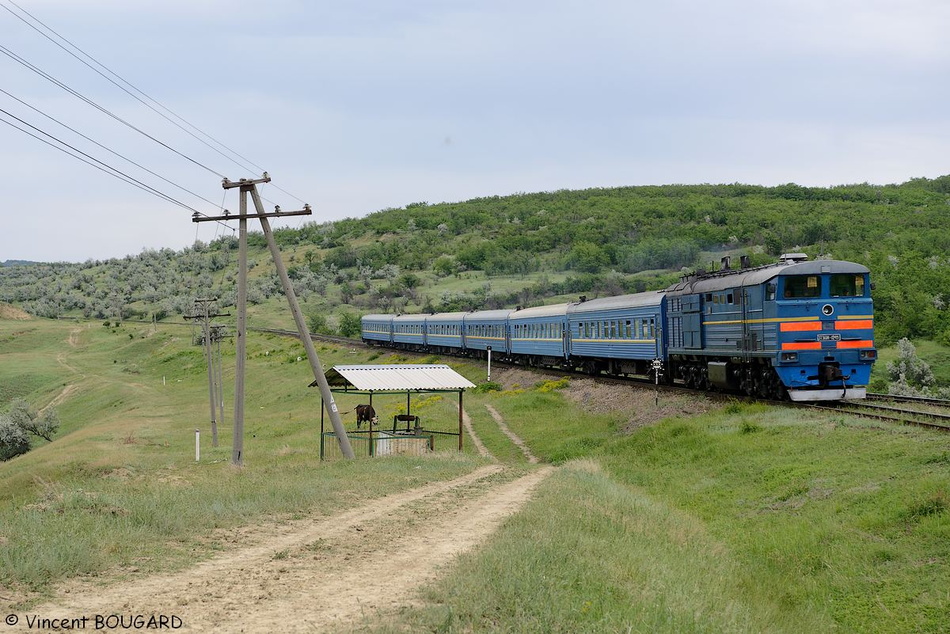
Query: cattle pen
x=375, y=380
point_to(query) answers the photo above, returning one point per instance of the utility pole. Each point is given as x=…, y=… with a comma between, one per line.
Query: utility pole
x=219, y=332
x=203, y=312
x=249, y=187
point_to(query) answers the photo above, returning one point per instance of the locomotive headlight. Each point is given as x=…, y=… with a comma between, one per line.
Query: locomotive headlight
x=868, y=354
x=789, y=356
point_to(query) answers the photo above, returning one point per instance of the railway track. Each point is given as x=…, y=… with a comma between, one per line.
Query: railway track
x=921, y=400
x=343, y=341
x=925, y=413
x=917, y=416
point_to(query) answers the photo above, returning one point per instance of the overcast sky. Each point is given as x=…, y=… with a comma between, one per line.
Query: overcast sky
x=362, y=105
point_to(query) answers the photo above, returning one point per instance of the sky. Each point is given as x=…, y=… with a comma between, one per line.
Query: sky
x=353, y=107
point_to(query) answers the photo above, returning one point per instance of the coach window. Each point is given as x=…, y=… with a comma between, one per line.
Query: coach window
x=797, y=286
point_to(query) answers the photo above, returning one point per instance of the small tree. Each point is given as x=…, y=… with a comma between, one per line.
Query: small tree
x=43, y=425
x=350, y=324
x=13, y=440
x=317, y=322
x=909, y=375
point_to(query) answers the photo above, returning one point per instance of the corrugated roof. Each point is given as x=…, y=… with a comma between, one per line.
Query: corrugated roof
x=552, y=310
x=396, y=378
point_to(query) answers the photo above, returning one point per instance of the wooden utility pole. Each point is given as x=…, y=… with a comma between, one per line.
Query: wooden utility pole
x=219, y=332
x=204, y=313
x=249, y=187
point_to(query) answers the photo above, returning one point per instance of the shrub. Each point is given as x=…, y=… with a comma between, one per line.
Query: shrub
x=13, y=440
x=487, y=386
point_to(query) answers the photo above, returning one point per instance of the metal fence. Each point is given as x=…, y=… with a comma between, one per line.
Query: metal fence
x=379, y=443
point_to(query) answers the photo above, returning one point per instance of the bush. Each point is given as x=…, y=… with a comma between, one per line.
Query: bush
x=350, y=325
x=13, y=440
x=909, y=375
x=487, y=386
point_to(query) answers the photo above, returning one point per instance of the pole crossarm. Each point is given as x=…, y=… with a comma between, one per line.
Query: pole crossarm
x=227, y=183
x=306, y=211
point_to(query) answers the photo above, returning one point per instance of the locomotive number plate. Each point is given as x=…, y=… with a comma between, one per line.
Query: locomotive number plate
x=834, y=337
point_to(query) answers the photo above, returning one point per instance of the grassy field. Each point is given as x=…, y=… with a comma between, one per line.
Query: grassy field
x=722, y=518
x=119, y=484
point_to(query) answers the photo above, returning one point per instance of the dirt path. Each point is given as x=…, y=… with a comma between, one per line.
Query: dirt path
x=479, y=445
x=511, y=435
x=319, y=574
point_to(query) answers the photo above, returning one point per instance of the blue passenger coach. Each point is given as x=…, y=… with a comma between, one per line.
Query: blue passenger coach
x=540, y=335
x=378, y=329
x=444, y=332
x=617, y=335
x=487, y=329
x=409, y=331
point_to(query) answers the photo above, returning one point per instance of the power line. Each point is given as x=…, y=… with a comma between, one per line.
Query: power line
x=99, y=165
x=90, y=160
x=105, y=111
x=130, y=85
x=140, y=92
x=93, y=141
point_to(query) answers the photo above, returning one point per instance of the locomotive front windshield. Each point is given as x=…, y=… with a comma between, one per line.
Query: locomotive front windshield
x=845, y=285
x=839, y=285
x=797, y=286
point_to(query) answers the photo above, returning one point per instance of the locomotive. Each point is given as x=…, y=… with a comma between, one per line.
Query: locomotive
x=796, y=329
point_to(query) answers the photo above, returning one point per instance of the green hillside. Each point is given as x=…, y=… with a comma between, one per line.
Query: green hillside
x=685, y=516
x=536, y=248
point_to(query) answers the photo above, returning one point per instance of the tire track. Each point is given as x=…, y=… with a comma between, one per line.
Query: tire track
x=315, y=575
x=511, y=435
x=479, y=445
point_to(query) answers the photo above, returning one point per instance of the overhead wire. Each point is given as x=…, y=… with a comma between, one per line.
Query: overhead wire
x=102, y=166
x=105, y=167
x=130, y=85
x=50, y=78
x=140, y=92
x=107, y=149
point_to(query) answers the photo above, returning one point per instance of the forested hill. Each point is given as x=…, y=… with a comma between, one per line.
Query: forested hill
x=535, y=248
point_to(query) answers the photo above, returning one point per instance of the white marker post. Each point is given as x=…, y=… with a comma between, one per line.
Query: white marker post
x=197, y=445
x=657, y=370
x=489, y=363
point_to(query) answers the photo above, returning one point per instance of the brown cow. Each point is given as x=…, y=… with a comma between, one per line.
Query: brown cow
x=365, y=413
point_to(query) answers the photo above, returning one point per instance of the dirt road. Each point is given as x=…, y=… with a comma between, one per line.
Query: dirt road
x=319, y=575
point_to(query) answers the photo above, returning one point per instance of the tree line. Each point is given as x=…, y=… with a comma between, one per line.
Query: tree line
x=600, y=241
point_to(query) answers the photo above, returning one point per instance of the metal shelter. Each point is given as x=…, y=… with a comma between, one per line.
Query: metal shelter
x=395, y=379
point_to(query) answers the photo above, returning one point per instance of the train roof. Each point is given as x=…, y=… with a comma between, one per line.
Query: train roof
x=377, y=317
x=445, y=316
x=636, y=300
x=553, y=310
x=412, y=317
x=489, y=315
x=722, y=280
